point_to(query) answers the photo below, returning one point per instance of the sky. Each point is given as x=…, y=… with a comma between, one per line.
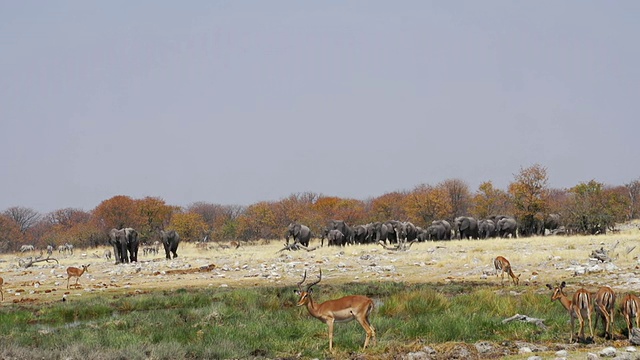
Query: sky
x=237, y=102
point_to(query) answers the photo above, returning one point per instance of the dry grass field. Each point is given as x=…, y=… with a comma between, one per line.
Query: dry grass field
x=540, y=260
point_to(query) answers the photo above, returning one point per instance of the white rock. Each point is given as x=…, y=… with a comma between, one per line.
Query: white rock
x=608, y=352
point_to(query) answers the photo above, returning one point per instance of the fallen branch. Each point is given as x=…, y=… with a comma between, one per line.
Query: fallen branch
x=399, y=247
x=30, y=261
x=296, y=246
x=539, y=322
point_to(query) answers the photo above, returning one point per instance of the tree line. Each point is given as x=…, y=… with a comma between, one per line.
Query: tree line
x=587, y=208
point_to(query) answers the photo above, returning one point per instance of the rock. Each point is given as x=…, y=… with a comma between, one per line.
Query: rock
x=534, y=358
x=483, y=347
x=562, y=353
x=592, y=356
x=608, y=352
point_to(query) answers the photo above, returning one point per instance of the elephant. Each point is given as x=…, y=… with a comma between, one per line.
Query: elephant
x=437, y=231
x=360, y=234
x=552, y=222
x=300, y=233
x=335, y=237
x=405, y=231
x=447, y=228
x=125, y=243
x=466, y=227
x=345, y=229
x=381, y=232
x=507, y=226
x=486, y=229
x=170, y=240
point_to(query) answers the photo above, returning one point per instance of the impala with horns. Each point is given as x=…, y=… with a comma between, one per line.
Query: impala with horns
x=579, y=307
x=345, y=309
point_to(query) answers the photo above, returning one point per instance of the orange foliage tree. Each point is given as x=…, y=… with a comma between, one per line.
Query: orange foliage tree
x=117, y=212
x=222, y=220
x=259, y=222
x=459, y=197
x=592, y=208
x=530, y=193
x=490, y=201
x=427, y=203
x=10, y=235
x=389, y=206
x=153, y=214
x=190, y=226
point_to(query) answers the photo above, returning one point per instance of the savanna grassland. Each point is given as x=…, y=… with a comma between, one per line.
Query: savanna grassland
x=220, y=302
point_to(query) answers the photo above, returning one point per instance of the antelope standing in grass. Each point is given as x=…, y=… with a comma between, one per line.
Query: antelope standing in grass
x=605, y=302
x=630, y=311
x=345, y=309
x=579, y=307
x=503, y=266
x=75, y=272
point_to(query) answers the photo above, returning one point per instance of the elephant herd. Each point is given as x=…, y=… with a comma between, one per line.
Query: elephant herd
x=125, y=244
x=337, y=232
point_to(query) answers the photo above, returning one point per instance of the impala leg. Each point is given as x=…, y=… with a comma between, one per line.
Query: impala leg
x=590, y=326
x=330, y=323
x=369, y=330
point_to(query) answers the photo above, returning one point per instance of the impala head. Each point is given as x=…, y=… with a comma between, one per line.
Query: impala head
x=305, y=295
x=557, y=291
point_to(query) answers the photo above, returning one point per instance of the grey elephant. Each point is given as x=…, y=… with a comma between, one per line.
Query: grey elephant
x=486, y=229
x=300, y=234
x=359, y=234
x=466, y=227
x=125, y=243
x=170, y=240
x=345, y=229
x=380, y=232
x=447, y=228
x=405, y=231
x=552, y=223
x=436, y=231
x=335, y=237
x=507, y=226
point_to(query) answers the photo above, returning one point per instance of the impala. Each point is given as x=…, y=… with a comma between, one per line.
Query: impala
x=605, y=303
x=630, y=309
x=502, y=265
x=341, y=310
x=579, y=307
x=75, y=272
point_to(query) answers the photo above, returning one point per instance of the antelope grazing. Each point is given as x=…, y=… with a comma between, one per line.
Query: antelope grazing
x=579, y=307
x=341, y=310
x=502, y=265
x=630, y=309
x=605, y=303
x=75, y=272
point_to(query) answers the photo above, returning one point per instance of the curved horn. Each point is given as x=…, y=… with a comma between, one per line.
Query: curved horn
x=303, y=278
x=317, y=281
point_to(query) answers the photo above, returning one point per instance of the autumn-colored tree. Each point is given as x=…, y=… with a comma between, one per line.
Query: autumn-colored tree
x=427, y=203
x=222, y=220
x=334, y=208
x=489, y=201
x=633, y=191
x=10, y=234
x=593, y=208
x=190, y=226
x=153, y=214
x=117, y=212
x=390, y=206
x=459, y=197
x=68, y=225
x=23, y=217
x=529, y=193
x=259, y=222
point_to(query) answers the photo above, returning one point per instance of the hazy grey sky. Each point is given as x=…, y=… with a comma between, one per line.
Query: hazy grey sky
x=235, y=102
